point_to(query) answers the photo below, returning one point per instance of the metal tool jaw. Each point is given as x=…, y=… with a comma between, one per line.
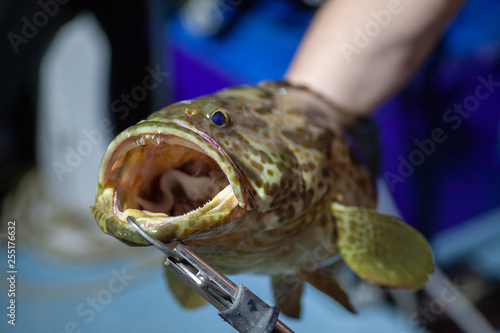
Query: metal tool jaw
x=237, y=305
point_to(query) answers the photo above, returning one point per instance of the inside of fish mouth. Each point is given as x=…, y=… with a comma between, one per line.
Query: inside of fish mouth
x=167, y=178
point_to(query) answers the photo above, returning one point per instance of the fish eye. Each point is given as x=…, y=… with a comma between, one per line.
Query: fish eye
x=219, y=118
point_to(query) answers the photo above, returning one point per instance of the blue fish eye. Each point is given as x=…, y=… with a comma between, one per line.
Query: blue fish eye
x=219, y=118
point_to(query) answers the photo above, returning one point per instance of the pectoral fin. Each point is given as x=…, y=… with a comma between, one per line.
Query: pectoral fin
x=187, y=297
x=287, y=290
x=328, y=285
x=381, y=248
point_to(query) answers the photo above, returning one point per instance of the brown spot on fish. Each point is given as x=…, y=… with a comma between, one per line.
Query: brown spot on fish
x=290, y=212
x=257, y=166
x=325, y=173
x=308, y=197
x=267, y=188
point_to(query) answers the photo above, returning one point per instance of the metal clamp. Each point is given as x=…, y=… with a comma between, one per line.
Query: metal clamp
x=237, y=305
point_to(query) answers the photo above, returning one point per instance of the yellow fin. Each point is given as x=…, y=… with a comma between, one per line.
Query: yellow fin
x=382, y=249
x=287, y=291
x=187, y=297
x=328, y=285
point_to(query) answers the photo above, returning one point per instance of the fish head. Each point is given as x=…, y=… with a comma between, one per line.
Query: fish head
x=193, y=168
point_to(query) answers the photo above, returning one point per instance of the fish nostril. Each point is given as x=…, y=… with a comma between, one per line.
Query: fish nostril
x=189, y=113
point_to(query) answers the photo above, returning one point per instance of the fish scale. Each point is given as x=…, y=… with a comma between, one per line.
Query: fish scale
x=296, y=188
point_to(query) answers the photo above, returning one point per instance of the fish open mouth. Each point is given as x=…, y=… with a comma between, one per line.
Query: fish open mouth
x=170, y=179
x=176, y=182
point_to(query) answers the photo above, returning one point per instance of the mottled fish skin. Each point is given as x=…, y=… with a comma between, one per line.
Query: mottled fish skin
x=285, y=191
x=298, y=164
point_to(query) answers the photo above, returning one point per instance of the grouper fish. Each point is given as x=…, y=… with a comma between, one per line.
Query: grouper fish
x=260, y=179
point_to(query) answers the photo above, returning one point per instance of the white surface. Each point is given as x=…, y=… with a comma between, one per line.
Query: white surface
x=73, y=101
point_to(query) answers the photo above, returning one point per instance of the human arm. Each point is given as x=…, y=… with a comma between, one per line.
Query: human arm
x=358, y=74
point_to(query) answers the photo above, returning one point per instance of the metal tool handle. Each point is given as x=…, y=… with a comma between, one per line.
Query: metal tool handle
x=241, y=308
x=250, y=314
x=245, y=311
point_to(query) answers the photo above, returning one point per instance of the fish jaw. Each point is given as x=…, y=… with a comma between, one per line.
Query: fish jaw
x=148, y=151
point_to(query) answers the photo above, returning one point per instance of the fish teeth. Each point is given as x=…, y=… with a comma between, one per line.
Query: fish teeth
x=223, y=199
x=155, y=214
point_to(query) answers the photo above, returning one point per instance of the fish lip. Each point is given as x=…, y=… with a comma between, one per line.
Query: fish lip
x=164, y=132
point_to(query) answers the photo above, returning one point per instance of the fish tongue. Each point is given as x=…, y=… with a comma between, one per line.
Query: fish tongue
x=151, y=206
x=196, y=189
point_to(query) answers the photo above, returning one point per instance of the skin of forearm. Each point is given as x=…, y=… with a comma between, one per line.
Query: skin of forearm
x=358, y=72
